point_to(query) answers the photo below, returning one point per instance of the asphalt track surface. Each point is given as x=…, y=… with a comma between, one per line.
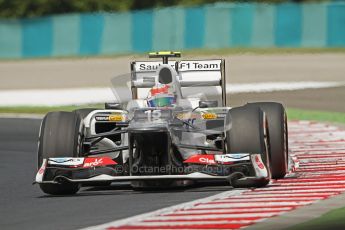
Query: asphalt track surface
x=318, y=149
x=24, y=206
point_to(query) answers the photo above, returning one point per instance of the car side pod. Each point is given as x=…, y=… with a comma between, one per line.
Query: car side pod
x=261, y=178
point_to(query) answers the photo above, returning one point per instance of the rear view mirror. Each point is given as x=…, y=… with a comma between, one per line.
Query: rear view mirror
x=208, y=104
x=112, y=106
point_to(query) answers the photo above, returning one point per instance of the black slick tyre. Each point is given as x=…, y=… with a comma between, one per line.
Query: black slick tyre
x=248, y=134
x=278, y=136
x=61, y=135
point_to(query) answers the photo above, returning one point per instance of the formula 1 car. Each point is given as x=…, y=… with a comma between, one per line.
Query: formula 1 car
x=167, y=134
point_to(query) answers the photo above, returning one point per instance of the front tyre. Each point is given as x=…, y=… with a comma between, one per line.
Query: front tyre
x=248, y=134
x=278, y=136
x=61, y=135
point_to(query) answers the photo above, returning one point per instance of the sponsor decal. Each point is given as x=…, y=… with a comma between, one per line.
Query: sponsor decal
x=116, y=117
x=150, y=66
x=98, y=161
x=221, y=115
x=188, y=116
x=40, y=173
x=102, y=118
x=59, y=160
x=259, y=167
x=66, y=161
x=209, y=116
x=231, y=158
x=259, y=162
x=199, y=65
x=201, y=159
x=238, y=155
x=42, y=169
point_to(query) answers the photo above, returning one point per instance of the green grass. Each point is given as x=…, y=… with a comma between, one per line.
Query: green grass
x=331, y=220
x=299, y=114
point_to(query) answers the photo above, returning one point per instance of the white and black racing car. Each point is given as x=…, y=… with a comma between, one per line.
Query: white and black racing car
x=175, y=129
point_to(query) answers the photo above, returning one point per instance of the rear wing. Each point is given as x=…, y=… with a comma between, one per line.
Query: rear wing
x=191, y=73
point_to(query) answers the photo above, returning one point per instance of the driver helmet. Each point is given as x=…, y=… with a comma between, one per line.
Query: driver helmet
x=161, y=96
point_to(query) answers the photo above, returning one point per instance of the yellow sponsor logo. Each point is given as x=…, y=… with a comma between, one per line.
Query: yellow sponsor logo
x=209, y=116
x=116, y=117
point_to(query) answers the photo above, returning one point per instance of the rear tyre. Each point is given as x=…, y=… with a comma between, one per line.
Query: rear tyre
x=278, y=137
x=248, y=134
x=61, y=135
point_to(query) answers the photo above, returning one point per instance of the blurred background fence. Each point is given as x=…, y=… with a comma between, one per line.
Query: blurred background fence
x=218, y=25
